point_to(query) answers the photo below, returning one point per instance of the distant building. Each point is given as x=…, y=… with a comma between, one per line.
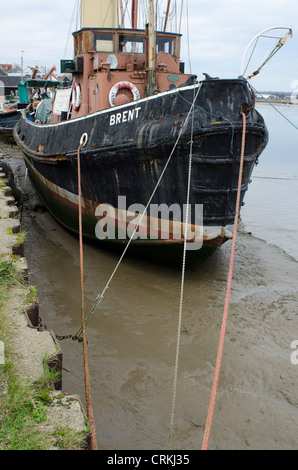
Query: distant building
x=10, y=83
x=6, y=67
x=270, y=97
x=2, y=71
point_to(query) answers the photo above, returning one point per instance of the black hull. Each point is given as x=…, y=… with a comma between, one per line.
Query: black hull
x=129, y=146
x=8, y=119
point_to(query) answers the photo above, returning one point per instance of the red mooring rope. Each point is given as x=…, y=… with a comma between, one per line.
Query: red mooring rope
x=90, y=415
x=210, y=413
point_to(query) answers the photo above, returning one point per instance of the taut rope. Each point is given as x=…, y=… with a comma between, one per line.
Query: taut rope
x=226, y=307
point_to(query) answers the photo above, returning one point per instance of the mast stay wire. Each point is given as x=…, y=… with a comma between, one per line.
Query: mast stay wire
x=274, y=107
x=75, y=9
x=188, y=39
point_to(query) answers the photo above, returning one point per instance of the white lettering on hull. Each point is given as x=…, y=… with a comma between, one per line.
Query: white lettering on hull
x=124, y=116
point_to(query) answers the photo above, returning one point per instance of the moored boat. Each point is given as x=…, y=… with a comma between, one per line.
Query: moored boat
x=29, y=93
x=153, y=140
x=8, y=119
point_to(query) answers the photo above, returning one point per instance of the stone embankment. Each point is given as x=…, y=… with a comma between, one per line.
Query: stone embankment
x=31, y=342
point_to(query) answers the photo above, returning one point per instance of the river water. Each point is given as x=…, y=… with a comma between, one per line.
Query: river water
x=132, y=336
x=271, y=204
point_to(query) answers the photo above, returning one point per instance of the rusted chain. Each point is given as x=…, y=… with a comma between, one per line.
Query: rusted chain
x=253, y=99
x=246, y=109
x=226, y=307
x=93, y=442
x=70, y=336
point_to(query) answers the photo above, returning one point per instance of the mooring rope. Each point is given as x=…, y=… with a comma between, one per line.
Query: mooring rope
x=181, y=288
x=101, y=296
x=78, y=335
x=81, y=334
x=93, y=442
x=214, y=389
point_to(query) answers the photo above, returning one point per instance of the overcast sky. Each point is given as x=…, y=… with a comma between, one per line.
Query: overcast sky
x=219, y=31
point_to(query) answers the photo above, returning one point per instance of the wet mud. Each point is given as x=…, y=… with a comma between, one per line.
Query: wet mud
x=132, y=338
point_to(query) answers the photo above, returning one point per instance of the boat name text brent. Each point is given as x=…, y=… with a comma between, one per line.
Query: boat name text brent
x=124, y=116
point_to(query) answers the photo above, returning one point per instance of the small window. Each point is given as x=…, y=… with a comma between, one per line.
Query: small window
x=103, y=42
x=131, y=44
x=165, y=45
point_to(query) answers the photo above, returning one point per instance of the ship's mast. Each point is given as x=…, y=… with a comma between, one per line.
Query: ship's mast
x=151, y=50
x=167, y=15
x=122, y=14
x=134, y=14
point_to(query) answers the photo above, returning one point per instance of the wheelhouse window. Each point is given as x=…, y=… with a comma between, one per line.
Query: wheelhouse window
x=103, y=42
x=165, y=45
x=130, y=43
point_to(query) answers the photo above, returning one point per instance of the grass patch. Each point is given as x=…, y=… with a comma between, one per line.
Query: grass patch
x=21, y=412
x=20, y=236
x=24, y=405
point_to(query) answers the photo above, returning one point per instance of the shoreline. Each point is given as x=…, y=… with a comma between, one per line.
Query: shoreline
x=31, y=342
x=276, y=101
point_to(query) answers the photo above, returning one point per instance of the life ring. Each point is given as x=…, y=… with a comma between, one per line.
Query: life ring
x=76, y=96
x=129, y=86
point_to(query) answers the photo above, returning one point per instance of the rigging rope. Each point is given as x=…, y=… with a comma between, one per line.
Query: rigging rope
x=93, y=443
x=226, y=306
x=215, y=116
x=296, y=127
x=69, y=35
x=101, y=296
x=188, y=38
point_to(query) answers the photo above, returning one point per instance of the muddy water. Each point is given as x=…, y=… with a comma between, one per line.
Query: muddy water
x=132, y=340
